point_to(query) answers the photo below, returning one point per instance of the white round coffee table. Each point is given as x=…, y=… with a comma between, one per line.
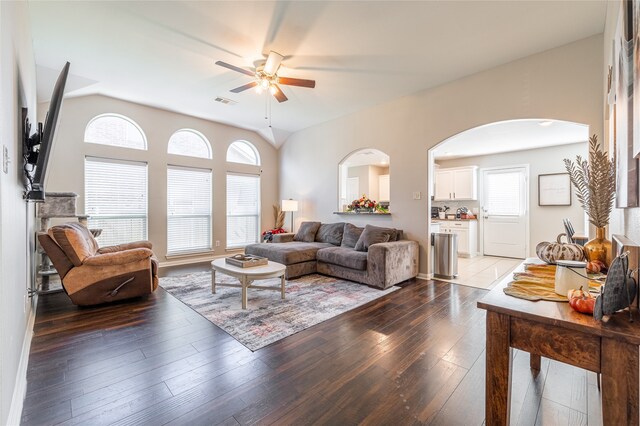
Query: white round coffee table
x=247, y=276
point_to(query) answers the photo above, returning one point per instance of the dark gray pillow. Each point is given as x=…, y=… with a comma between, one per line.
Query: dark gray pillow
x=373, y=235
x=350, y=235
x=307, y=232
x=330, y=233
x=399, y=235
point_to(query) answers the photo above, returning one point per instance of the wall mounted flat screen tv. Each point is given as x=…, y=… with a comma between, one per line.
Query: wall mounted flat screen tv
x=38, y=146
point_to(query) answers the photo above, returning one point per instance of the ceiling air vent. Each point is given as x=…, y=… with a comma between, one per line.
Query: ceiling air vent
x=225, y=101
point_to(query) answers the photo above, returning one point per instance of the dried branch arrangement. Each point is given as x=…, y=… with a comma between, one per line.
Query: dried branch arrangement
x=595, y=182
x=279, y=215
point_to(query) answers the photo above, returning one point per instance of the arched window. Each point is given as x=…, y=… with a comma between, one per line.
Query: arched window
x=243, y=152
x=115, y=130
x=190, y=143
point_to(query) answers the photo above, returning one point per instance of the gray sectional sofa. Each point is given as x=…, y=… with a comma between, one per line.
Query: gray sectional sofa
x=372, y=255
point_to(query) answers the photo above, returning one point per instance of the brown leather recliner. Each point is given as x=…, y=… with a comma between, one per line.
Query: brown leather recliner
x=92, y=275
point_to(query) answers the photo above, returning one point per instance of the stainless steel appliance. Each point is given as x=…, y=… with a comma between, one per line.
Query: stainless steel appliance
x=434, y=212
x=445, y=255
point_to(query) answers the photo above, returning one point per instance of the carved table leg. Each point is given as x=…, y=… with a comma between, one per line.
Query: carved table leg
x=534, y=362
x=282, y=282
x=619, y=361
x=213, y=281
x=498, y=370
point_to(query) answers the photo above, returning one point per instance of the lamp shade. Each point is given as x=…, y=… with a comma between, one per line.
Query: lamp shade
x=289, y=206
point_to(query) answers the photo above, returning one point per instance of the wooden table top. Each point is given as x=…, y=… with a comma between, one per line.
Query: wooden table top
x=269, y=268
x=560, y=314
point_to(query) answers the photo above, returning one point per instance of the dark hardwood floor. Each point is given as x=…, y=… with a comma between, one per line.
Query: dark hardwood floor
x=415, y=356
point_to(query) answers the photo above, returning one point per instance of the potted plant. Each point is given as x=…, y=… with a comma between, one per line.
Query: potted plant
x=595, y=184
x=364, y=204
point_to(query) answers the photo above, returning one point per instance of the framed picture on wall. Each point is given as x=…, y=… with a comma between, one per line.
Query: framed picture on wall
x=623, y=79
x=554, y=189
x=633, y=8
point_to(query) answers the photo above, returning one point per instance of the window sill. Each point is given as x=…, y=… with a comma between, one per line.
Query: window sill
x=236, y=248
x=184, y=254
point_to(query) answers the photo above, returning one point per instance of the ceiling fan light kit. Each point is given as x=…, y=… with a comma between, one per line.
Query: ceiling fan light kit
x=273, y=63
x=266, y=77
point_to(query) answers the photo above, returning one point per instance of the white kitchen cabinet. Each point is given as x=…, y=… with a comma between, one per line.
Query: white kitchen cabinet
x=444, y=184
x=467, y=232
x=459, y=183
x=384, y=185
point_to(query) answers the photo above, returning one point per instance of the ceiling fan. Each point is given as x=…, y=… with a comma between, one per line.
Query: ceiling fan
x=266, y=77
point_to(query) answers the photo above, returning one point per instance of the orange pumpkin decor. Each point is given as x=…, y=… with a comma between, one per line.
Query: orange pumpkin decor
x=581, y=301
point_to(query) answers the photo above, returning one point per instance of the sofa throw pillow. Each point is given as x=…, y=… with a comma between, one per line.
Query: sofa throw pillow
x=373, y=235
x=330, y=233
x=307, y=232
x=399, y=234
x=350, y=235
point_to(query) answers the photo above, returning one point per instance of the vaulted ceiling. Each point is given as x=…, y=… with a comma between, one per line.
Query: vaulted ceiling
x=360, y=53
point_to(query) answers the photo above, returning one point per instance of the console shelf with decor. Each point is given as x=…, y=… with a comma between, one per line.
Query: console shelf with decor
x=363, y=213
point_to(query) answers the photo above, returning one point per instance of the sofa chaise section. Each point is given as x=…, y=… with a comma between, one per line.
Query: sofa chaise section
x=298, y=257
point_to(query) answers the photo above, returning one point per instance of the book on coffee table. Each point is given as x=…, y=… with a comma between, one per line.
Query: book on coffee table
x=246, y=260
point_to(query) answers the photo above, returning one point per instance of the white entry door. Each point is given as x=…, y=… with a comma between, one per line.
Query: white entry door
x=504, y=206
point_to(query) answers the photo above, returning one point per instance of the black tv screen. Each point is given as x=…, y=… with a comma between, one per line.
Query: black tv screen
x=37, y=191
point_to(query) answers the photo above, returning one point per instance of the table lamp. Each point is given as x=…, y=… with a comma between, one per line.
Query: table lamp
x=290, y=206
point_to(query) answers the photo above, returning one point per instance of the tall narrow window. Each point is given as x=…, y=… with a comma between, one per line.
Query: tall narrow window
x=243, y=209
x=190, y=143
x=115, y=130
x=243, y=152
x=116, y=199
x=188, y=210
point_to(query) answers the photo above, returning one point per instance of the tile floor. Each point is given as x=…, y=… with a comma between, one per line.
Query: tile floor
x=483, y=271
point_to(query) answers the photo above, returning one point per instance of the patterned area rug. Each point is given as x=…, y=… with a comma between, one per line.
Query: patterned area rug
x=310, y=300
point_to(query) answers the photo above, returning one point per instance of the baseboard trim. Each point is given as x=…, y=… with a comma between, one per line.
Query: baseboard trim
x=181, y=262
x=20, y=388
x=425, y=276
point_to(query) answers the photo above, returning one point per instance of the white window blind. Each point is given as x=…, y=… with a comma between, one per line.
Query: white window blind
x=190, y=143
x=188, y=210
x=504, y=193
x=116, y=199
x=243, y=152
x=115, y=130
x=243, y=209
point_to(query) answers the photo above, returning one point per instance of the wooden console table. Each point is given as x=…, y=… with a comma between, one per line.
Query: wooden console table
x=555, y=331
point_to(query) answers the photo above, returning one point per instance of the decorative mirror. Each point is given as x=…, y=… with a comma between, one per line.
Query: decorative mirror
x=364, y=174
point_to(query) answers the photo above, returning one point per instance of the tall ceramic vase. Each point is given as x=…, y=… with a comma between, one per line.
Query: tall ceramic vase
x=599, y=248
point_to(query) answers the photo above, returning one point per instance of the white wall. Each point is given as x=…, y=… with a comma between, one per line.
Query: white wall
x=623, y=221
x=18, y=89
x=66, y=172
x=545, y=221
x=563, y=83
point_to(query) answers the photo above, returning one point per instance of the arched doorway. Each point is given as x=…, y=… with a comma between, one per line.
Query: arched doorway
x=503, y=161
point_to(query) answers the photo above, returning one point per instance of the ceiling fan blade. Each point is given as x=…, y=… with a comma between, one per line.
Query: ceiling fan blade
x=273, y=63
x=297, y=82
x=234, y=68
x=245, y=87
x=279, y=95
